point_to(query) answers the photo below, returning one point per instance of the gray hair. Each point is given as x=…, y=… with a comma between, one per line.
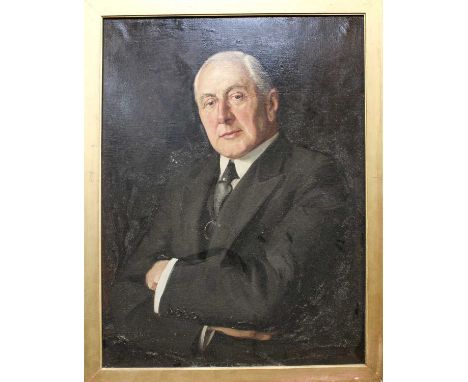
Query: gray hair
x=256, y=71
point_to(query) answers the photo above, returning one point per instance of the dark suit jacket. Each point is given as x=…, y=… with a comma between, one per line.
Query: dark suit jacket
x=267, y=267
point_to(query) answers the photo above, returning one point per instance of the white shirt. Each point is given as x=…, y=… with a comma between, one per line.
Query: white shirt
x=242, y=166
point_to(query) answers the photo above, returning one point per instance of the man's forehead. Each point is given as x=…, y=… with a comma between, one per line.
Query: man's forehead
x=224, y=74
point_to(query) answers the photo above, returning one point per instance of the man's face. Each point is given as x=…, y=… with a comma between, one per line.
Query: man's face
x=236, y=118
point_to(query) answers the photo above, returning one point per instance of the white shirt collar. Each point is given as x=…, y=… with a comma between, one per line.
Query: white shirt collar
x=244, y=163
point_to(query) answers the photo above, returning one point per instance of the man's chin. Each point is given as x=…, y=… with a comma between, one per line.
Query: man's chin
x=232, y=152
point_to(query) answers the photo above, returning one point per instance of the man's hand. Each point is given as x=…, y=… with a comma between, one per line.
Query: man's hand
x=247, y=334
x=154, y=274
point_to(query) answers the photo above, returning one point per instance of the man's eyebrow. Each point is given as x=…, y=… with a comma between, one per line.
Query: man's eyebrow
x=235, y=86
x=206, y=95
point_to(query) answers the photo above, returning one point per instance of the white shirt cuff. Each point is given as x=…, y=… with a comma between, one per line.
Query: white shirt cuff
x=161, y=285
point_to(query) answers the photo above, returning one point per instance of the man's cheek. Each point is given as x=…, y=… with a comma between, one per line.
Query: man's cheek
x=210, y=128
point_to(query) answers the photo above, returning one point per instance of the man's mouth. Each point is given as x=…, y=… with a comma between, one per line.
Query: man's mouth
x=230, y=134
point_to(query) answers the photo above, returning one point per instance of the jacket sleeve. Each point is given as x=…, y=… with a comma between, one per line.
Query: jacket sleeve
x=135, y=320
x=250, y=289
x=133, y=303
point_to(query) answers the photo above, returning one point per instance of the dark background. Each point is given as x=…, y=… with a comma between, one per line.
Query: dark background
x=151, y=127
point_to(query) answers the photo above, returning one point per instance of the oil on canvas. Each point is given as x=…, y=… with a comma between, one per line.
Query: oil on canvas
x=233, y=191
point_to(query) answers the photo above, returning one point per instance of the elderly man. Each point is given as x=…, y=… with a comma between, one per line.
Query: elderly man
x=235, y=267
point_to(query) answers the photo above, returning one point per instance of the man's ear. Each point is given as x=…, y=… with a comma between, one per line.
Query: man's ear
x=272, y=104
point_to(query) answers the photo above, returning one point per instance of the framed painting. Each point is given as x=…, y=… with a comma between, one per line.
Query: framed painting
x=233, y=191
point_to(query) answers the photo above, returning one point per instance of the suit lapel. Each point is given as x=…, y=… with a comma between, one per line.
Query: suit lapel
x=194, y=201
x=262, y=178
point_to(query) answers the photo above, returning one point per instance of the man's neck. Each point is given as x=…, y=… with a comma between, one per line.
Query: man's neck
x=243, y=164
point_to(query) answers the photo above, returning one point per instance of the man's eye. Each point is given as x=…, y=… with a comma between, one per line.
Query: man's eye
x=209, y=103
x=237, y=96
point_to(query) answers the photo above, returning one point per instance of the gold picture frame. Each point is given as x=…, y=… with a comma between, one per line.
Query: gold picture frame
x=95, y=11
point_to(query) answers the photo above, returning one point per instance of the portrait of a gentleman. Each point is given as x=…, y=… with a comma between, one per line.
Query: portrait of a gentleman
x=240, y=260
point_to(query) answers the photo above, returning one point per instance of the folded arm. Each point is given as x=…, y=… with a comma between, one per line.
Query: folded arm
x=248, y=289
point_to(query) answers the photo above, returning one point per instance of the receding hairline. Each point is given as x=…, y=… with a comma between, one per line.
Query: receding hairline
x=252, y=66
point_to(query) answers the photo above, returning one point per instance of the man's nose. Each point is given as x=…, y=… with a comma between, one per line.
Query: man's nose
x=224, y=112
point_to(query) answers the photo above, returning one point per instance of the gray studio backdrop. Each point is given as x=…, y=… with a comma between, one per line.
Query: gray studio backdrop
x=151, y=127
